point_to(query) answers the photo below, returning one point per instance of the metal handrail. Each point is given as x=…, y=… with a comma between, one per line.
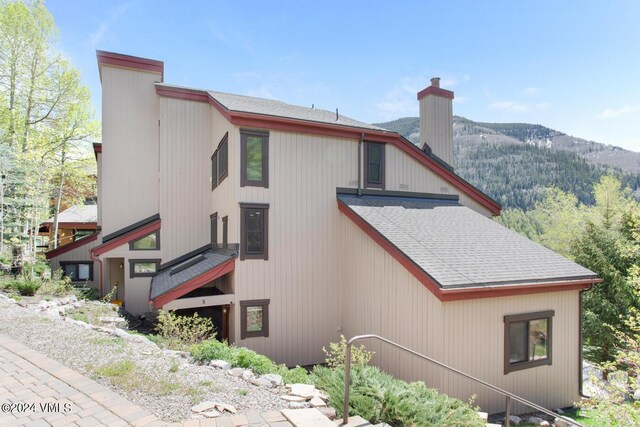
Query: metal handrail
x=508, y=395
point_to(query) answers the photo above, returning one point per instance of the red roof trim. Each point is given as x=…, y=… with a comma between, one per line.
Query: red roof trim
x=446, y=295
x=196, y=282
x=125, y=238
x=72, y=224
x=431, y=90
x=73, y=245
x=304, y=126
x=97, y=148
x=132, y=62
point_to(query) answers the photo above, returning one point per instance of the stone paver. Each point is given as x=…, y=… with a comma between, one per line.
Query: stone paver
x=55, y=395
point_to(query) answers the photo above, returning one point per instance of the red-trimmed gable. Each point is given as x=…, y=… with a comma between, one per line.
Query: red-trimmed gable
x=340, y=131
x=130, y=62
x=66, y=248
x=126, y=238
x=196, y=282
x=459, y=294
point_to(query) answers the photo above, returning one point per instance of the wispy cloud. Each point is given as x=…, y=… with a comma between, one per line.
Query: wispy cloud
x=612, y=114
x=519, y=107
x=400, y=101
x=531, y=91
x=98, y=35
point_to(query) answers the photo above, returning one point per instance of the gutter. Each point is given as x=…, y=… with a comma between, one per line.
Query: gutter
x=580, y=340
x=360, y=164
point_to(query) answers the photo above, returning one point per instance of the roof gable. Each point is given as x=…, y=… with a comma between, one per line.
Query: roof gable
x=454, y=250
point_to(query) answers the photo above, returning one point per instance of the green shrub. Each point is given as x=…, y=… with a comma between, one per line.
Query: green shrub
x=58, y=285
x=182, y=331
x=258, y=363
x=336, y=355
x=295, y=375
x=27, y=287
x=212, y=350
x=379, y=397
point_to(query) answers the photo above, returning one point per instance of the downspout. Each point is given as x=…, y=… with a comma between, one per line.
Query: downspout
x=580, y=338
x=96, y=258
x=360, y=164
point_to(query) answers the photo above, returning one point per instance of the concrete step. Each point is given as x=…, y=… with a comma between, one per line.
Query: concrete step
x=309, y=417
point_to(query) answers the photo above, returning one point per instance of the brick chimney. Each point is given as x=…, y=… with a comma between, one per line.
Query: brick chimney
x=436, y=120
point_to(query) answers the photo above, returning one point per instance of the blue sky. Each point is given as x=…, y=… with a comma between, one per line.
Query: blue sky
x=573, y=66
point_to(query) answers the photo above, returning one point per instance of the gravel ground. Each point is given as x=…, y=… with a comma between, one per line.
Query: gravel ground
x=165, y=383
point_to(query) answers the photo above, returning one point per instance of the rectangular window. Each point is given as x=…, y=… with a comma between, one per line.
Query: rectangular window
x=254, y=231
x=214, y=228
x=254, y=318
x=225, y=231
x=146, y=243
x=79, y=271
x=374, y=165
x=143, y=267
x=220, y=162
x=527, y=340
x=254, y=158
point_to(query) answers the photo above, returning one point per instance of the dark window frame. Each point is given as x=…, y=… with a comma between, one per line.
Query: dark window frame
x=528, y=317
x=214, y=228
x=221, y=153
x=244, y=181
x=371, y=184
x=157, y=248
x=264, y=303
x=63, y=264
x=225, y=231
x=264, y=208
x=132, y=263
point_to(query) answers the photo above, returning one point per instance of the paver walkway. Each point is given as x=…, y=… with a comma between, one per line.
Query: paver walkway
x=35, y=390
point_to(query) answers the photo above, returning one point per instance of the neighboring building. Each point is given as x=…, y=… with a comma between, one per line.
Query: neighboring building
x=291, y=225
x=74, y=223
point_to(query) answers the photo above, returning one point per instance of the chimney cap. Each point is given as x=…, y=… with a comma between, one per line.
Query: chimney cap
x=435, y=89
x=435, y=81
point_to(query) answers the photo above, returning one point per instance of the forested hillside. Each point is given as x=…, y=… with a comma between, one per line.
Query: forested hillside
x=512, y=163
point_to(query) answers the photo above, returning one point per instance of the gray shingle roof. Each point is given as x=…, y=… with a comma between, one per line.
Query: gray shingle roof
x=164, y=281
x=249, y=104
x=77, y=213
x=459, y=247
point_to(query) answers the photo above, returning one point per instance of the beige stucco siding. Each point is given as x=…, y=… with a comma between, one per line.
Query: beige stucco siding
x=301, y=277
x=130, y=147
x=79, y=254
x=380, y=296
x=185, y=151
x=404, y=173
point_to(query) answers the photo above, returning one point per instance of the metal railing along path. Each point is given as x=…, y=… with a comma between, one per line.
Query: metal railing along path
x=509, y=396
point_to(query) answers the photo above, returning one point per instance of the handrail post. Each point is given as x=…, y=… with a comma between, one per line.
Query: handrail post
x=347, y=381
x=507, y=413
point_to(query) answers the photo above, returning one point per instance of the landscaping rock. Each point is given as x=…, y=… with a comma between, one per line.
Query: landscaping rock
x=558, y=411
x=544, y=424
x=222, y=407
x=328, y=412
x=236, y=372
x=220, y=364
x=247, y=374
x=204, y=406
x=534, y=420
x=298, y=405
x=515, y=419
x=322, y=395
x=261, y=382
x=303, y=390
x=274, y=379
x=483, y=415
x=316, y=402
x=559, y=422
x=293, y=398
x=211, y=414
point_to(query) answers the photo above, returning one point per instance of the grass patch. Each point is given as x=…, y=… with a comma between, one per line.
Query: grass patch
x=115, y=369
x=242, y=392
x=91, y=312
